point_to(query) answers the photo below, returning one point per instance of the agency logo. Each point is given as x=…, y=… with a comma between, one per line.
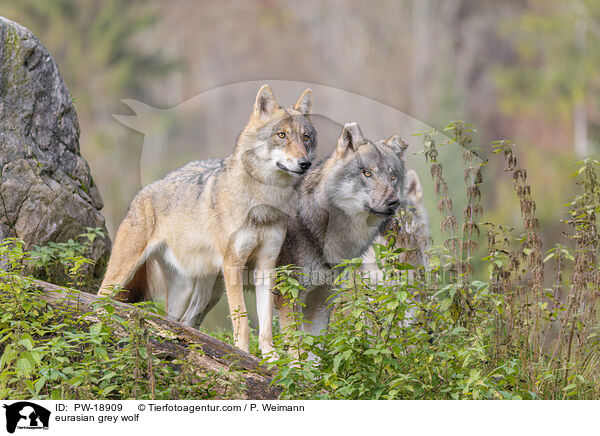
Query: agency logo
x=26, y=415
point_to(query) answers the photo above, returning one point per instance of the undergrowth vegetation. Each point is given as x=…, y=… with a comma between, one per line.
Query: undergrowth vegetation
x=61, y=351
x=525, y=326
x=441, y=332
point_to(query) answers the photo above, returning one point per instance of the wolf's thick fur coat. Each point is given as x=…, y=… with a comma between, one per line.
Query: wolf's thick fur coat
x=205, y=222
x=344, y=201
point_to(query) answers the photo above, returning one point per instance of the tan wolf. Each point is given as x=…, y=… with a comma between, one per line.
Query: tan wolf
x=216, y=216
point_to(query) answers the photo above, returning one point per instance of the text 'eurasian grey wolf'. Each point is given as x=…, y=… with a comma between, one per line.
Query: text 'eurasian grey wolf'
x=215, y=216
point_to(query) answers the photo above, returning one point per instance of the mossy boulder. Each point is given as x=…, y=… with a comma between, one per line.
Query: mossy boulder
x=47, y=193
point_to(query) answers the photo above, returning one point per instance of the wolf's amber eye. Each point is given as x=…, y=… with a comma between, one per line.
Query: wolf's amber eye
x=281, y=135
x=367, y=173
x=393, y=177
x=306, y=137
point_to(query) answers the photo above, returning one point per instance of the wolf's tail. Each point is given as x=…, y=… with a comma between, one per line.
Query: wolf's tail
x=127, y=271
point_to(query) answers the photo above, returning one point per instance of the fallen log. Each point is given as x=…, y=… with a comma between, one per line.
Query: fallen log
x=178, y=341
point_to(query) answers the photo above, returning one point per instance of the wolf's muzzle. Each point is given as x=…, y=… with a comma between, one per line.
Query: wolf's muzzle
x=288, y=170
x=383, y=212
x=304, y=164
x=390, y=206
x=393, y=202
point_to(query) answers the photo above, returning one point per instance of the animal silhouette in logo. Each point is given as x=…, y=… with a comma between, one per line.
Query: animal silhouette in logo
x=26, y=414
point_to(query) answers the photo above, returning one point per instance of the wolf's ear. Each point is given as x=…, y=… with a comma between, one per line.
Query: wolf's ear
x=397, y=144
x=305, y=102
x=265, y=102
x=414, y=190
x=350, y=138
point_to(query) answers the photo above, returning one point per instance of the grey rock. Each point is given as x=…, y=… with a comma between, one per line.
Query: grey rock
x=47, y=193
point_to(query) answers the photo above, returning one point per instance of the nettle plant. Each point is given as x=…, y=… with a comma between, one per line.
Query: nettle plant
x=61, y=351
x=64, y=262
x=445, y=333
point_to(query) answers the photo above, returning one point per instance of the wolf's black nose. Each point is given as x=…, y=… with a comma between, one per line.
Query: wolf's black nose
x=392, y=202
x=304, y=164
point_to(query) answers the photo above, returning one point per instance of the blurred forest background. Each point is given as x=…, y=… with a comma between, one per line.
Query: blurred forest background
x=524, y=70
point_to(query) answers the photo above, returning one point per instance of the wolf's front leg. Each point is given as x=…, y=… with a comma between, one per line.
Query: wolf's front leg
x=264, y=281
x=286, y=312
x=233, y=275
x=317, y=311
x=266, y=261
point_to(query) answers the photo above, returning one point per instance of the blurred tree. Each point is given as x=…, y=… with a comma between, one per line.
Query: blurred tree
x=96, y=44
x=104, y=52
x=556, y=72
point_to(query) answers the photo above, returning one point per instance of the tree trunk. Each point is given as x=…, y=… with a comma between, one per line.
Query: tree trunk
x=420, y=57
x=176, y=340
x=580, y=124
x=580, y=130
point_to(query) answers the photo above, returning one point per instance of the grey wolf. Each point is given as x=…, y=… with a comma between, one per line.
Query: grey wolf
x=409, y=228
x=215, y=216
x=343, y=203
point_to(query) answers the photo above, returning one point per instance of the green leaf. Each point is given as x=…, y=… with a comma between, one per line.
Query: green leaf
x=101, y=352
x=26, y=342
x=446, y=304
x=24, y=364
x=7, y=356
x=39, y=385
x=36, y=357
x=96, y=329
x=107, y=390
x=337, y=360
x=309, y=340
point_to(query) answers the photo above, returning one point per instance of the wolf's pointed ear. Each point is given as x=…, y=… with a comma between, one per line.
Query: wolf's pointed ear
x=397, y=144
x=305, y=102
x=350, y=138
x=414, y=190
x=265, y=102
